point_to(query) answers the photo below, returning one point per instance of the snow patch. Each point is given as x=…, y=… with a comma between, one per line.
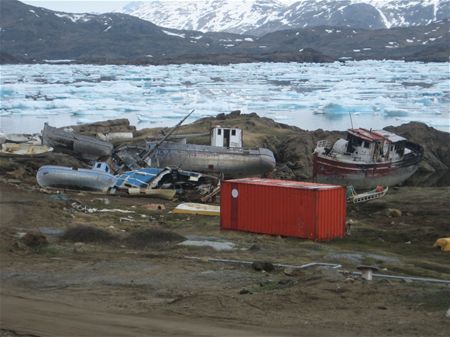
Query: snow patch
x=182, y=35
x=58, y=61
x=74, y=17
x=35, y=14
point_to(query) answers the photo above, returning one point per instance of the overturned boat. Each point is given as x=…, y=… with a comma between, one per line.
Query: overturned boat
x=224, y=156
x=85, y=146
x=366, y=159
x=24, y=150
x=99, y=178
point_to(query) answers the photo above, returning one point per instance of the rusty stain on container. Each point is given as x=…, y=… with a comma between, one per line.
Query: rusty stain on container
x=281, y=207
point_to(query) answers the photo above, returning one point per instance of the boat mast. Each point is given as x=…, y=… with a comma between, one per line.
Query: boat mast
x=149, y=152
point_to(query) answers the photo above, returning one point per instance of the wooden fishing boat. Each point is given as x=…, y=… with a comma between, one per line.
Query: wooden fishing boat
x=366, y=159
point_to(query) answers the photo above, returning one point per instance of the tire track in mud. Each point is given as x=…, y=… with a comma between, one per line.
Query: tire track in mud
x=33, y=315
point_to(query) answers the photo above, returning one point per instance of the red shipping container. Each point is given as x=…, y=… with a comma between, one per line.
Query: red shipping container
x=281, y=207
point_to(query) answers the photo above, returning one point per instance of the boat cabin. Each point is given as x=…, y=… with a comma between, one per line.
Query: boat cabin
x=101, y=166
x=374, y=145
x=226, y=137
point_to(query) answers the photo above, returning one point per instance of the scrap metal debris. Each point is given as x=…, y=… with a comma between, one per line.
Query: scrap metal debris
x=194, y=208
x=78, y=206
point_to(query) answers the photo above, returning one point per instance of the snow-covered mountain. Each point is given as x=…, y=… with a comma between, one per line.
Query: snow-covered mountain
x=262, y=16
x=234, y=16
x=33, y=34
x=404, y=13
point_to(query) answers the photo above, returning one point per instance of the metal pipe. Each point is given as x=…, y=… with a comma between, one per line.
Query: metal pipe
x=410, y=278
x=311, y=264
x=276, y=265
x=321, y=264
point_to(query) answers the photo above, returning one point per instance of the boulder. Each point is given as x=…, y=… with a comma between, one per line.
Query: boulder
x=393, y=212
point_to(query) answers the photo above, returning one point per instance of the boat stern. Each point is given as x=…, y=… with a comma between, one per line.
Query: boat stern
x=268, y=162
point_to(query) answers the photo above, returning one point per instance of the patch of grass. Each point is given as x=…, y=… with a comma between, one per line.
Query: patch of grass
x=83, y=233
x=412, y=270
x=430, y=298
x=370, y=261
x=273, y=285
x=437, y=267
x=50, y=250
x=152, y=237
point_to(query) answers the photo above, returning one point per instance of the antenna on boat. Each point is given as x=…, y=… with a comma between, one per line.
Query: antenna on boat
x=351, y=121
x=148, y=153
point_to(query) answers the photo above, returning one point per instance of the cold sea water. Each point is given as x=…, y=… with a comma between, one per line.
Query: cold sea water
x=310, y=96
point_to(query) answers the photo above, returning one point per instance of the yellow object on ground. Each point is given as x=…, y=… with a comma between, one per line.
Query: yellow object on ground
x=444, y=243
x=24, y=149
x=193, y=208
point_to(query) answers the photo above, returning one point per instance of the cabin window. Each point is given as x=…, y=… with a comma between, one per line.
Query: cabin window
x=366, y=145
x=99, y=165
x=219, y=131
x=233, y=132
x=400, y=149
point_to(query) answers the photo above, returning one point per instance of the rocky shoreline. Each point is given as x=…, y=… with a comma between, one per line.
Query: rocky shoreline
x=292, y=146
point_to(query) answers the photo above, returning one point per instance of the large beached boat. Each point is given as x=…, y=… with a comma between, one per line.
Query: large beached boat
x=366, y=159
x=224, y=156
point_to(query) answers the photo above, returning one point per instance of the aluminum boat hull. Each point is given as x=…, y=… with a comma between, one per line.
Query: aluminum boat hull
x=231, y=162
x=67, y=177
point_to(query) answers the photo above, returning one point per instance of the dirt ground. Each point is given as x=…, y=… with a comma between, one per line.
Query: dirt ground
x=121, y=287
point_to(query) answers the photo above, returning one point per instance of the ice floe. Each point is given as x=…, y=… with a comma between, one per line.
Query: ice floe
x=311, y=96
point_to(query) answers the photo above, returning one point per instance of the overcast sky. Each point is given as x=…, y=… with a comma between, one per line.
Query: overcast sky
x=96, y=6
x=83, y=6
x=78, y=6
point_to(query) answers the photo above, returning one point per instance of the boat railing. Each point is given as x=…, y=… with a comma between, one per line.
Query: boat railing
x=324, y=144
